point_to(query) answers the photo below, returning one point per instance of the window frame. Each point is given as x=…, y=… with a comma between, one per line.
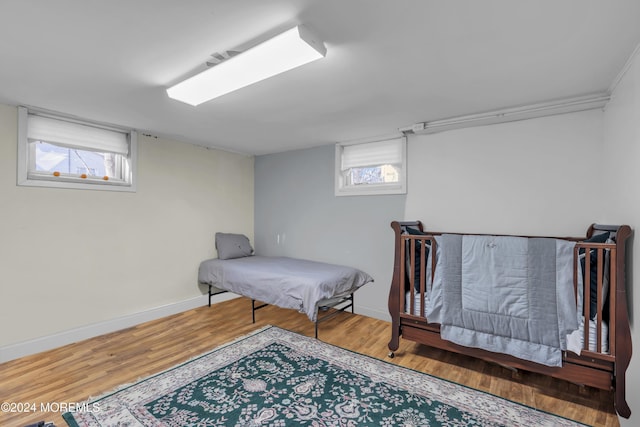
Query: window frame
x=342, y=188
x=26, y=158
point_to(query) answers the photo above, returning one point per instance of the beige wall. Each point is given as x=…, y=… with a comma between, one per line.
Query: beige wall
x=71, y=258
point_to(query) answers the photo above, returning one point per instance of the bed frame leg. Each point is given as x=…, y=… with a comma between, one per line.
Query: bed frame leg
x=339, y=308
x=255, y=307
x=211, y=293
x=253, y=311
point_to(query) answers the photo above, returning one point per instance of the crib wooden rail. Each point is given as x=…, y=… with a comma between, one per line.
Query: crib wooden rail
x=606, y=335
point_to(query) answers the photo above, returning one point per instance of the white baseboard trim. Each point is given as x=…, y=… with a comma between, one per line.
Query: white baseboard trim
x=37, y=345
x=372, y=312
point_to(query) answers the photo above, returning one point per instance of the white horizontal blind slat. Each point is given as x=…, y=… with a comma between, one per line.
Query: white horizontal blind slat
x=372, y=154
x=75, y=135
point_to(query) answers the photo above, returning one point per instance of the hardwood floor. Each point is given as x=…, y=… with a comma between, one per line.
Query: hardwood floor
x=75, y=372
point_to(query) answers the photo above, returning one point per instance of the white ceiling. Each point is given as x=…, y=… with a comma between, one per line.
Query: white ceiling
x=390, y=63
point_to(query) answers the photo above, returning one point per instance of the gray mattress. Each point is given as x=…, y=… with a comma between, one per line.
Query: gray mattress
x=286, y=282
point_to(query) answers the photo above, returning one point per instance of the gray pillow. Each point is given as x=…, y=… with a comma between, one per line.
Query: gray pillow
x=231, y=246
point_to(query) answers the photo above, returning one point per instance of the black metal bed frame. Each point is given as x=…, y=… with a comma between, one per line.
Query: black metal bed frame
x=336, y=303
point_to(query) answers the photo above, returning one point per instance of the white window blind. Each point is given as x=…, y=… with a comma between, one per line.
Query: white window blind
x=67, y=152
x=75, y=135
x=372, y=154
x=367, y=168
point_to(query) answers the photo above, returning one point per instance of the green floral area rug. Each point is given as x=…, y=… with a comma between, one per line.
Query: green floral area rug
x=274, y=377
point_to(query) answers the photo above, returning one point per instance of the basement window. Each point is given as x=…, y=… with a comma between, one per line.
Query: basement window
x=371, y=168
x=60, y=152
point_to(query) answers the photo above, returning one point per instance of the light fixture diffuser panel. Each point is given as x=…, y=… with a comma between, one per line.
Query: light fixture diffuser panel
x=286, y=51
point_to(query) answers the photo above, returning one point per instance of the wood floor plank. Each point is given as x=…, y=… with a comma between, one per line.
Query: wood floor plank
x=90, y=368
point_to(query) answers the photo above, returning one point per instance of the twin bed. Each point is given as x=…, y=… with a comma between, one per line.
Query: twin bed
x=309, y=287
x=555, y=306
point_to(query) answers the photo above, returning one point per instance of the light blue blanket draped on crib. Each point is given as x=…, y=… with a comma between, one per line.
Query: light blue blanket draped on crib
x=505, y=294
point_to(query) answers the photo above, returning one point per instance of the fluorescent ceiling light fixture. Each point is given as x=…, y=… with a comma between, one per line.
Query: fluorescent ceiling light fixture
x=288, y=50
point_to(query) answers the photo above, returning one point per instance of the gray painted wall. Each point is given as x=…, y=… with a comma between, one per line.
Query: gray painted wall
x=621, y=176
x=513, y=178
x=298, y=215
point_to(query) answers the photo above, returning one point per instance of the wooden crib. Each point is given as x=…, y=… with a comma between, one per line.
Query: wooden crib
x=593, y=367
